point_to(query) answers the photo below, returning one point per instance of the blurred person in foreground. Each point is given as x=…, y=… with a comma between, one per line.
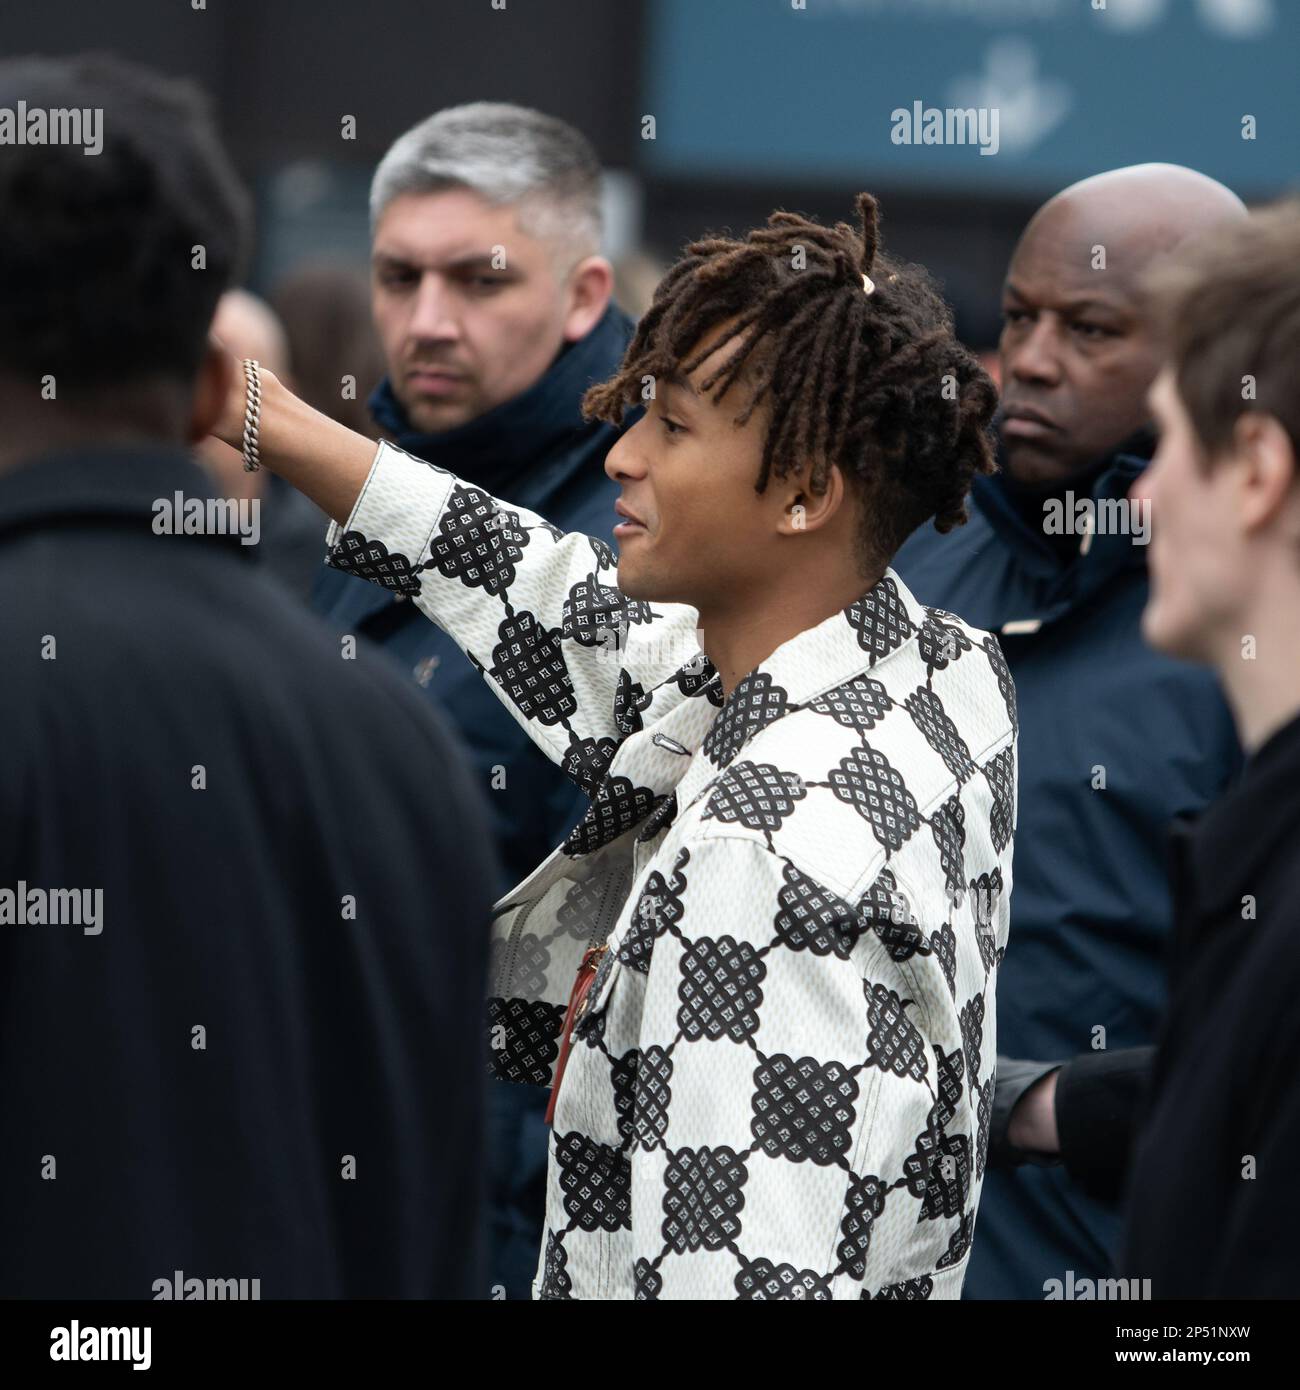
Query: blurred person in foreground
x=492, y=305
x=758, y=977
x=1115, y=738
x=289, y=544
x=325, y=310
x=244, y=887
x=1211, y=1210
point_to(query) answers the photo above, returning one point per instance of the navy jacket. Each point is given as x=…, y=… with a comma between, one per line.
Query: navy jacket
x=538, y=451
x=1090, y=912
x=327, y=1027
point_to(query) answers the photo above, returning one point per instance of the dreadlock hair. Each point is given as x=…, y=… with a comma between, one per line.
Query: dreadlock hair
x=875, y=384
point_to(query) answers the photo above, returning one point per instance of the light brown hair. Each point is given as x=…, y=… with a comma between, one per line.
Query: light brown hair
x=1229, y=310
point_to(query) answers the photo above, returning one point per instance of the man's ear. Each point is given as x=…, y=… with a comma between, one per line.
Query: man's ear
x=1268, y=473
x=805, y=510
x=212, y=387
x=590, y=287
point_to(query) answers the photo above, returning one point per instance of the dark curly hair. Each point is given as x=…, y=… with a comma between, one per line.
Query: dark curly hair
x=875, y=384
x=97, y=278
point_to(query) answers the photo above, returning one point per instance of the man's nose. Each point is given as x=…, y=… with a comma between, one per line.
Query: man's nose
x=432, y=314
x=1035, y=357
x=624, y=460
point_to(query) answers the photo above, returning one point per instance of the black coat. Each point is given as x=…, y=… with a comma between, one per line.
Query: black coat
x=1212, y=1206
x=127, y=1150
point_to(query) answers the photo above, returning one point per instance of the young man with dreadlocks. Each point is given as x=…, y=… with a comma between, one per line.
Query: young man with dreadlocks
x=759, y=974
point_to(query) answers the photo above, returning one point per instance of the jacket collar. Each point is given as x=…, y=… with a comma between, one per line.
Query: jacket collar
x=855, y=642
x=883, y=620
x=113, y=482
x=680, y=755
x=527, y=447
x=525, y=450
x=1222, y=855
x=1100, y=556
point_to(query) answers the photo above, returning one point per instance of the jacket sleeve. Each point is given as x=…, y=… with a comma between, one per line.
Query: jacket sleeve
x=537, y=611
x=1098, y=1099
x=794, y=1123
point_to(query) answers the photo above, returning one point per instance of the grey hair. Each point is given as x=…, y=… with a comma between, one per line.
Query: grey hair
x=507, y=155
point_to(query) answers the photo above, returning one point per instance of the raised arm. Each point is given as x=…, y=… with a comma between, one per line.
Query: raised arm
x=537, y=611
x=320, y=457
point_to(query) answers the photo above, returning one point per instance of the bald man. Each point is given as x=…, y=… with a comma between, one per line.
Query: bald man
x=1115, y=739
x=291, y=525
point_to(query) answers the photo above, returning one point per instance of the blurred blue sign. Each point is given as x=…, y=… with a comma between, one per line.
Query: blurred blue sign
x=1023, y=95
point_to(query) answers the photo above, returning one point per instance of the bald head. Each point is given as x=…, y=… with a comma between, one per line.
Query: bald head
x=249, y=327
x=1078, y=349
x=1136, y=213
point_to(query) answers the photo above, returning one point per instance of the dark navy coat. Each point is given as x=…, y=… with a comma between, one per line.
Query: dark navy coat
x=1090, y=912
x=537, y=451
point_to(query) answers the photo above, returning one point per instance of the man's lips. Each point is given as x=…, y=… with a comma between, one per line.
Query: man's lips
x=1024, y=422
x=630, y=524
x=434, y=380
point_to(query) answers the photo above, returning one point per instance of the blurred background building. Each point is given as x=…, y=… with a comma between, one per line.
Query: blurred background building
x=708, y=113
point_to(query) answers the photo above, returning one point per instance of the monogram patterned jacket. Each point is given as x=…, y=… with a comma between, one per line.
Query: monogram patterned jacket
x=781, y=1082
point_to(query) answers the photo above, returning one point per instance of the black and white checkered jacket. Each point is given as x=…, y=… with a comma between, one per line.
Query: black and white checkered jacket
x=782, y=1083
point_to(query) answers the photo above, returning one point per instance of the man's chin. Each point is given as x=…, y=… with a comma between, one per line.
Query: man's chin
x=431, y=416
x=437, y=421
x=1027, y=463
x=630, y=583
x=1163, y=632
x=635, y=583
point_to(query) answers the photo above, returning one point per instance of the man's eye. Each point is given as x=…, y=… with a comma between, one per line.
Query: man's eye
x=671, y=425
x=1093, y=330
x=395, y=279
x=1013, y=315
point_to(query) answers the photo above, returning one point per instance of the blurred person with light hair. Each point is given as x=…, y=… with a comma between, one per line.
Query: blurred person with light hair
x=325, y=309
x=1211, y=1209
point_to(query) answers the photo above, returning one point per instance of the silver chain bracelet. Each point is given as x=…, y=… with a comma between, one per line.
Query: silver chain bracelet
x=252, y=413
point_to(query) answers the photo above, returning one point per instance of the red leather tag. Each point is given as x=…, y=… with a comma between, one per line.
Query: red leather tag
x=577, y=999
